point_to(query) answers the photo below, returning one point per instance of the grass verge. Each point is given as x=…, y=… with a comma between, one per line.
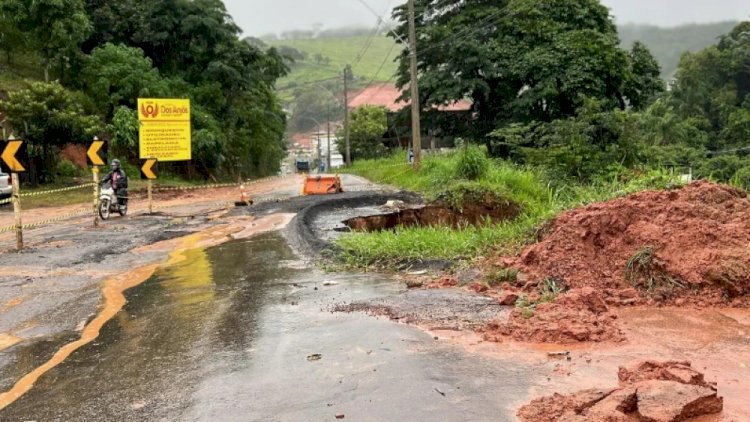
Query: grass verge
x=540, y=199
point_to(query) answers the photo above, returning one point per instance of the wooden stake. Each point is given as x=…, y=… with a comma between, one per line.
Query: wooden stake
x=150, y=202
x=17, y=211
x=95, y=172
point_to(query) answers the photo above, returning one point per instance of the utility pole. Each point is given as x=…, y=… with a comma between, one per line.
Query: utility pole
x=347, y=71
x=328, y=137
x=416, y=130
x=320, y=150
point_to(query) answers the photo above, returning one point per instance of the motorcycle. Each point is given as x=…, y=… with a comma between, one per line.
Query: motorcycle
x=109, y=203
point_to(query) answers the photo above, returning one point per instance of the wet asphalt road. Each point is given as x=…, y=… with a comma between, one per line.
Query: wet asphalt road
x=226, y=335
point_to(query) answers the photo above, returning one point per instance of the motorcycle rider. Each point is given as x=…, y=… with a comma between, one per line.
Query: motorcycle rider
x=119, y=182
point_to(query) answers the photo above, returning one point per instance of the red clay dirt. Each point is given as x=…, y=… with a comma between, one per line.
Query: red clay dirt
x=700, y=236
x=697, y=248
x=648, y=391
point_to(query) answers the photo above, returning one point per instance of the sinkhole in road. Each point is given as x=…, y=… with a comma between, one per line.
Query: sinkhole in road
x=438, y=213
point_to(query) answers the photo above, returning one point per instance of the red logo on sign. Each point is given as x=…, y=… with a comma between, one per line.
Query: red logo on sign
x=150, y=110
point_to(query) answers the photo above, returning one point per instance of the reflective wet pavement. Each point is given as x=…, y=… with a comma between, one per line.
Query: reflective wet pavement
x=226, y=335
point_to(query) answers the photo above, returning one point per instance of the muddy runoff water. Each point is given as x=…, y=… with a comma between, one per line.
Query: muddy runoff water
x=243, y=331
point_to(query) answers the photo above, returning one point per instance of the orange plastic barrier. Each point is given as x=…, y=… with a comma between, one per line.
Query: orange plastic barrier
x=322, y=185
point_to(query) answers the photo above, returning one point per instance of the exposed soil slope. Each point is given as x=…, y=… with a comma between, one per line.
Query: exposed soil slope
x=684, y=245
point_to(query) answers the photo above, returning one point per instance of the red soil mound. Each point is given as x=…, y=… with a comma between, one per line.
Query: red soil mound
x=689, y=240
x=648, y=391
x=577, y=316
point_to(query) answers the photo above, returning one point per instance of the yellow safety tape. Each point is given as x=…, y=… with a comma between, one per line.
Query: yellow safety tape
x=76, y=213
x=83, y=211
x=344, y=171
x=6, y=201
x=217, y=185
x=47, y=192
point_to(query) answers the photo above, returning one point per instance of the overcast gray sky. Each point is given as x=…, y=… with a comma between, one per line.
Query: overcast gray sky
x=258, y=17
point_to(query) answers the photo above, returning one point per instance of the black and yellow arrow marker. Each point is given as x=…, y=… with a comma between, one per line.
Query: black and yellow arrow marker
x=148, y=171
x=9, y=156
x=97, y=153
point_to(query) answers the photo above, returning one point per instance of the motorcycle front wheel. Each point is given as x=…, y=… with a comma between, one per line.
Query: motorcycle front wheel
x=104, y=209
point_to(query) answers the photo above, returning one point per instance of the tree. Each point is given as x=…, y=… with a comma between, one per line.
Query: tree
x=117, y=75
x=124, y=130
x=55, y=27
x=643, y=82
x=520, y=60
x=47, y=115
x=368, y=124
x=313, y=103
x=12, y=39
x=713, y=85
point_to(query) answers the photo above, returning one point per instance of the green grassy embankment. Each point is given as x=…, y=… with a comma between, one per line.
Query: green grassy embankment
x=540, y=197
x=339, y=52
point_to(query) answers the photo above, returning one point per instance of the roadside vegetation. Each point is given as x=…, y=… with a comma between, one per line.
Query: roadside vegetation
x=74, y=69
x=444, y=176
x=573, y=118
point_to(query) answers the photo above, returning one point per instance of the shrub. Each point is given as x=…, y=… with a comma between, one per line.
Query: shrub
x=742, y=178
x=504, y=275
x=66, y=168
x=472, y=163
x=645, y=270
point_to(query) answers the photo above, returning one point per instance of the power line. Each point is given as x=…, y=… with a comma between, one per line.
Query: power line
x=478, y=26
x=726, y=151
x=304, y=84
x=374, y=32
x=374, y=77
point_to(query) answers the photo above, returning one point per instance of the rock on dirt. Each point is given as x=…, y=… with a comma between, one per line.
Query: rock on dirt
x=648, y=392
x=698, y=236
x=508, y=298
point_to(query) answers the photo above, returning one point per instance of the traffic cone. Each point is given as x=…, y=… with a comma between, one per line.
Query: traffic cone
x=244, y=198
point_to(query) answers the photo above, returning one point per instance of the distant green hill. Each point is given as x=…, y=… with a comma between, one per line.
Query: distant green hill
x=668, y=44
x=324, y=58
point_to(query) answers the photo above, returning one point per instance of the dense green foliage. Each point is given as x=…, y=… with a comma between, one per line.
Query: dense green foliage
x=107, y=54
x=525, y=61
x=551, y=87
x=366, y=128
x=669, y=44
x=50, y=116
x=540, y=196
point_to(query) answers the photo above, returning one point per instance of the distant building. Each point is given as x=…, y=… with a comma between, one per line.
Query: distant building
x=439, y=126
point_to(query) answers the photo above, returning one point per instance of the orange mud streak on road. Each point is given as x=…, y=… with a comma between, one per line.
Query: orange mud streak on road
x=114, y=298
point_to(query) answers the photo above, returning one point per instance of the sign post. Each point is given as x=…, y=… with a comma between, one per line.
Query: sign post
x=149, y=172
x=9, y=157
x=97, y=157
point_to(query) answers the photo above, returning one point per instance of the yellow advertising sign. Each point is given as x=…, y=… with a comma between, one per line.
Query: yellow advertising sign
x=165, y=129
